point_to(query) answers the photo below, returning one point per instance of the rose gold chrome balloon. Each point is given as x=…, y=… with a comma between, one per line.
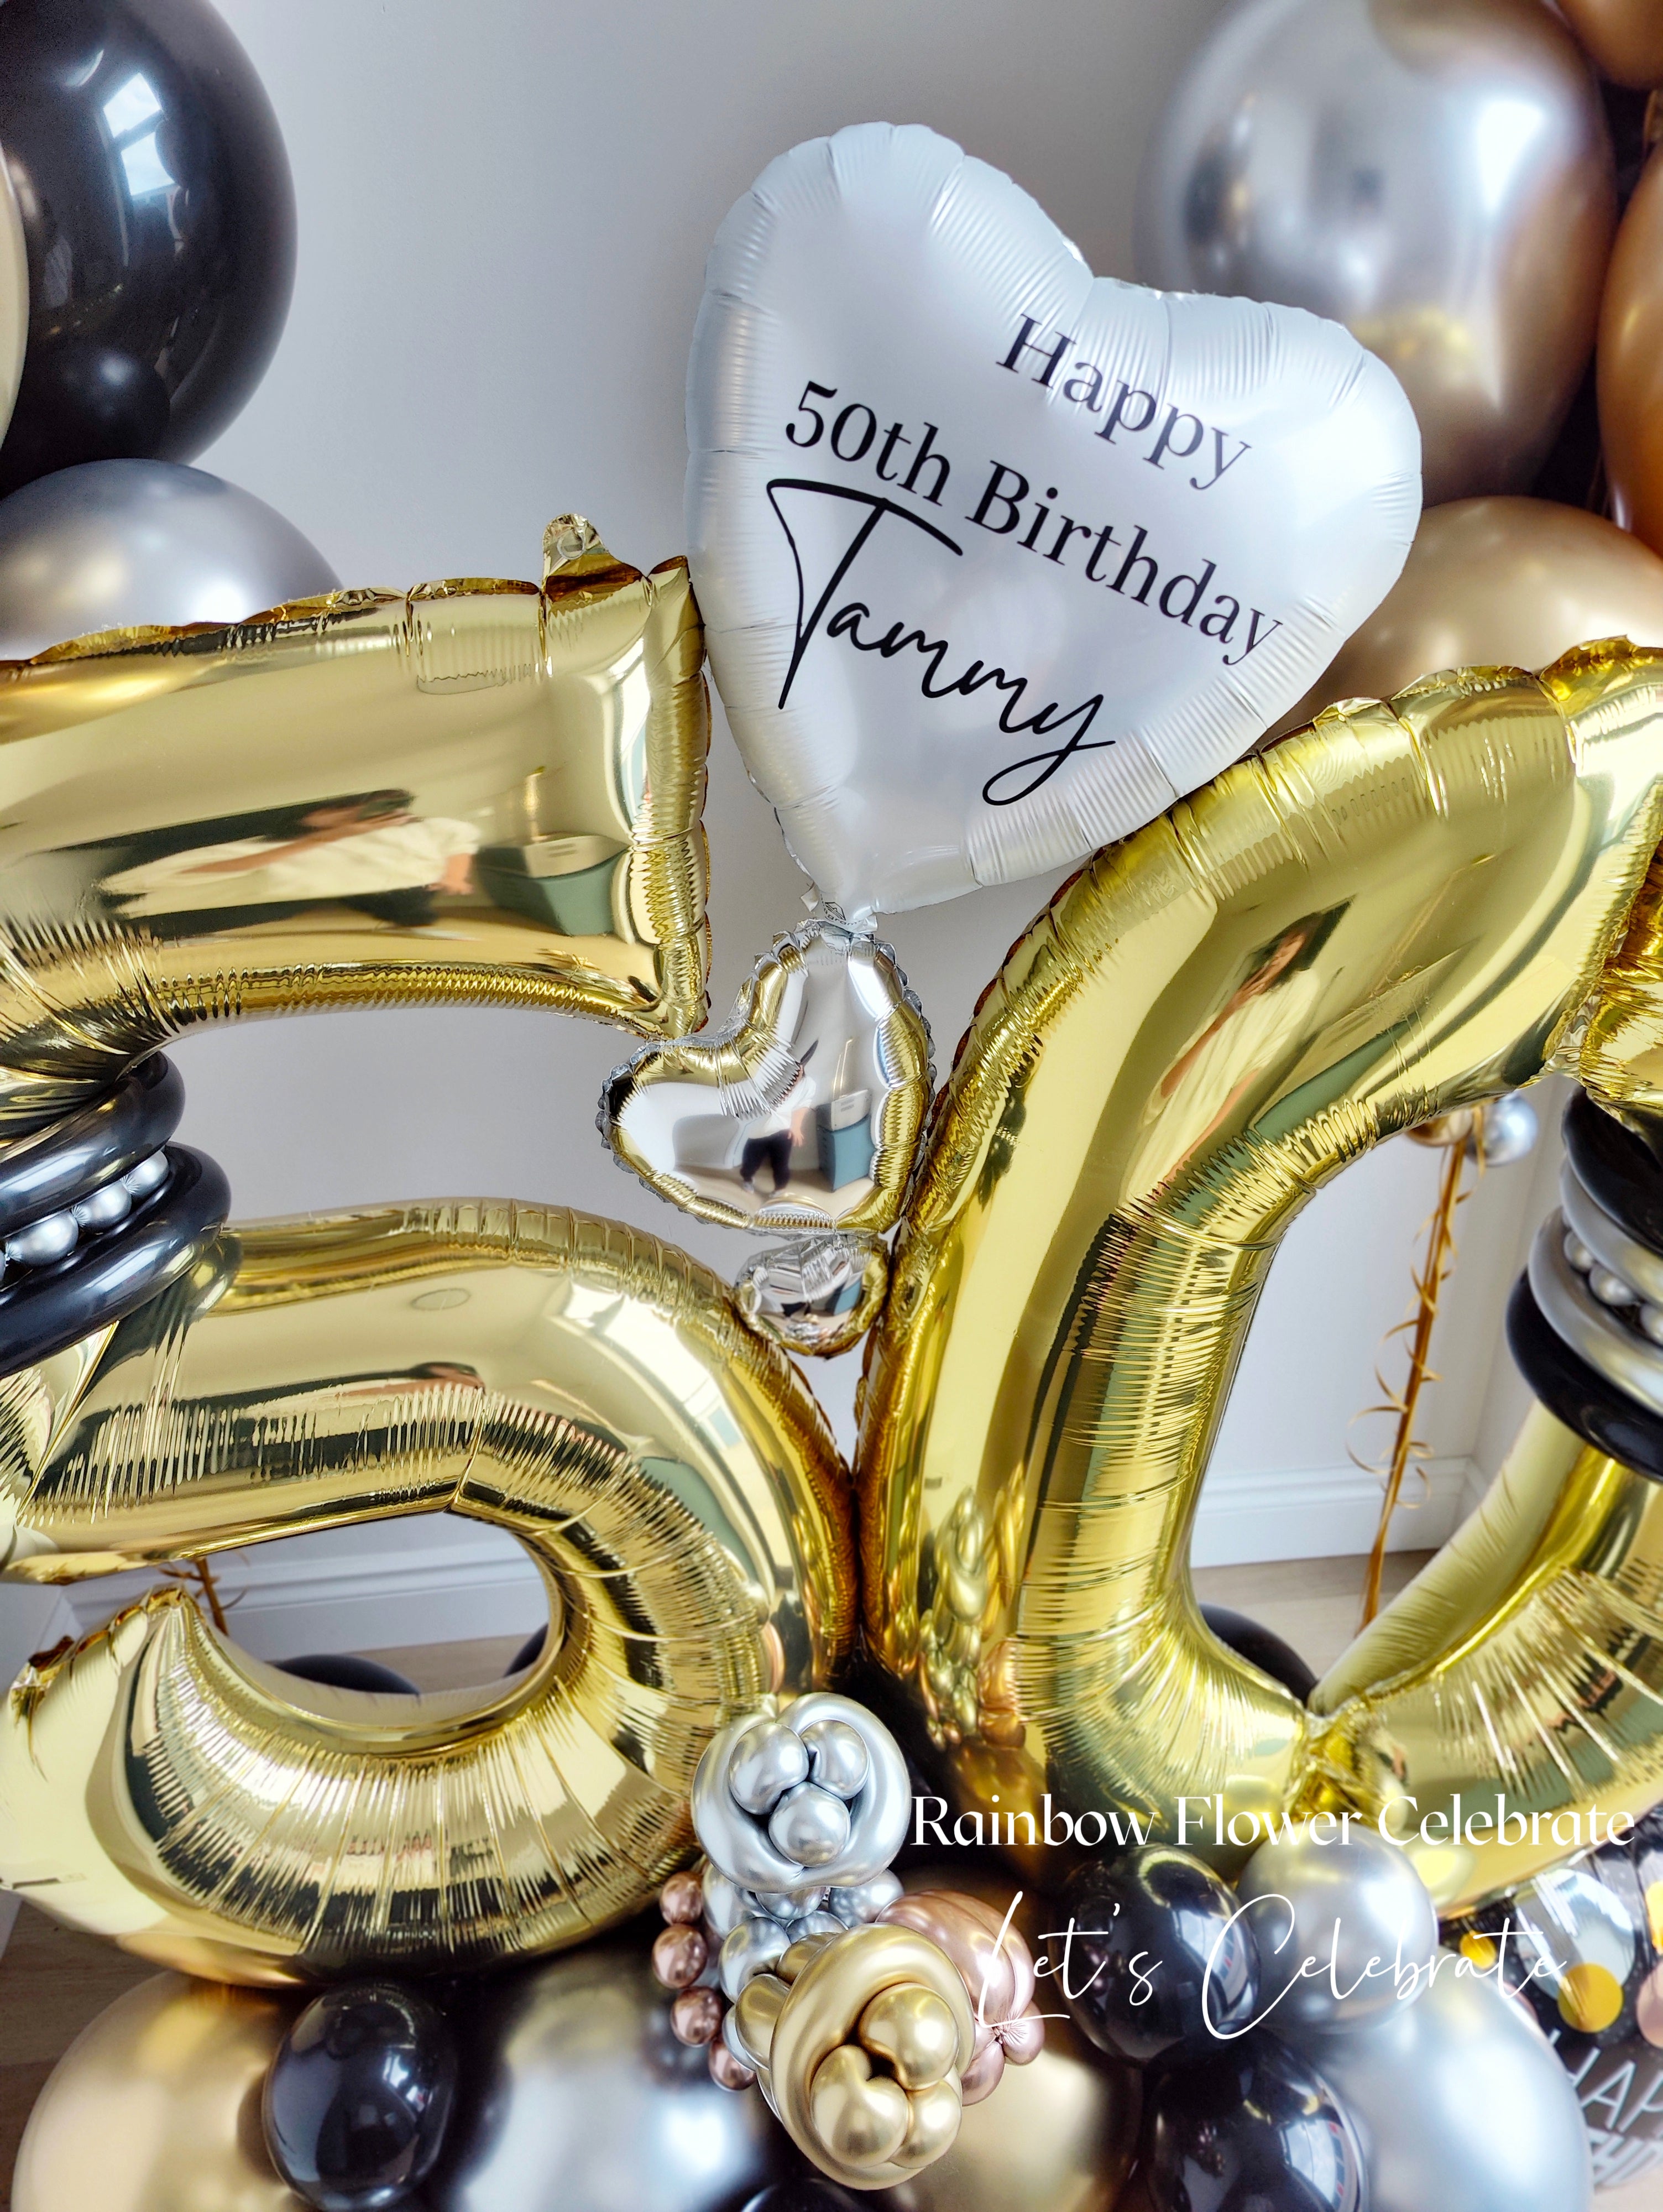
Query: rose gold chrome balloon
x=1498, y=583
x=1631, y=364
x=1623, y=38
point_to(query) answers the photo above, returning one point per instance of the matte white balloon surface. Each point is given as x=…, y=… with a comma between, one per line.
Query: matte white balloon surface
x=997, y=558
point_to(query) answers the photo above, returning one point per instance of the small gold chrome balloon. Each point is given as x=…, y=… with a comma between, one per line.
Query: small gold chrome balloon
x=874, y=1997
x=570, y=1381
x=477, y=790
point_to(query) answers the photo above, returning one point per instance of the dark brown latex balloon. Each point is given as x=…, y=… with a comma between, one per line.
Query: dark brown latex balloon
x=1631, y=362
x=159, y=218
x=1623, y=38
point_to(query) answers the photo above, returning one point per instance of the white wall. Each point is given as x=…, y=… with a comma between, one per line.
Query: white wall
x=504, y=211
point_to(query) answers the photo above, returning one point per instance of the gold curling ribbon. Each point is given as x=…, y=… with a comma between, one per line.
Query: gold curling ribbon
x=571, y=1380
x=474, y=790
x=1405, y=910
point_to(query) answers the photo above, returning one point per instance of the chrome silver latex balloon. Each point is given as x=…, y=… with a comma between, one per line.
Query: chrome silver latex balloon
x=582, y=2096
x=1435, y=174
x=1460, y=2103
x=1345, y=1931
x=770, y=1823
x=117, y=544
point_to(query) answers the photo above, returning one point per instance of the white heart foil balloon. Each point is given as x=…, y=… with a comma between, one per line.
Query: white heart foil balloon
x=997, y=558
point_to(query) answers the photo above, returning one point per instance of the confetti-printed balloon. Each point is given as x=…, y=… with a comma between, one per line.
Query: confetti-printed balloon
x=1584, y=1944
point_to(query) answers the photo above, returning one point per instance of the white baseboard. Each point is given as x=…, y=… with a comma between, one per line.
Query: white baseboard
x=433, y=1578
x=1326, y=1512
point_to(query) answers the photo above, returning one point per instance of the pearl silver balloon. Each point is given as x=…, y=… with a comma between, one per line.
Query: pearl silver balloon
x=837, y=1756
x=1460, y=2103
x=1358, y=1909
x=809, y=1825
x=584, y=2098
x=1510, y=1130
x=749, y=1949
x=855, y=1902
x=116, y=544
x=1436, y=174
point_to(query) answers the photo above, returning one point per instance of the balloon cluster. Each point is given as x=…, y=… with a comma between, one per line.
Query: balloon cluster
x=1583, y=1945
x=1294, y=2032
x=869, y=2019
x=147, y=257
x=1304, y=2042
x=1456, y=200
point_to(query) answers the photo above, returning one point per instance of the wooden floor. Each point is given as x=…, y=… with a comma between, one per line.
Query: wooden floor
x=53, y=1983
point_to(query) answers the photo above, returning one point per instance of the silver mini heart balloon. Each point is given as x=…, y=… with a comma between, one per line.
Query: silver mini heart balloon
x=803, y=1111
x=817, y=1295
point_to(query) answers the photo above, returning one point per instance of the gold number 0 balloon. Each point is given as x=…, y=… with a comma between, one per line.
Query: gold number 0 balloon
x=476, y=790
x=1406, y=908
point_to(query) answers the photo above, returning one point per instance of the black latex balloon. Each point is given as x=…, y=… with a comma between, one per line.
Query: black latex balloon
x=806, y=2194
x=1246, y=2127
x=357, y=2097
x=45, y=1309
x=1261, y=1647
x=530, y=1649
x=344, y=1670
x=159, y=217
x=1153, y=1932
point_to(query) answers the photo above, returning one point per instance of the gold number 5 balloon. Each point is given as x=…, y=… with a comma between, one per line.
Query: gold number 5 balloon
x=474, y=790
x=565, y=1379
x=1403, y=909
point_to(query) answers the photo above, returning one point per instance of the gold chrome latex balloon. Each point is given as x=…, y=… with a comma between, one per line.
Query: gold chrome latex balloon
x=155, y=2107
x=1623, y=38
x=1405, y=910
x=1630, y=363
x=1510, y=583
x=860, y=2042
x=571, y=1380
x=474, y=790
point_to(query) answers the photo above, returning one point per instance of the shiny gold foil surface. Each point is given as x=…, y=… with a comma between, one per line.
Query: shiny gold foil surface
x=474, y=790
x=1525, y=1659
x=1403, y=910
x=571, y=1380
